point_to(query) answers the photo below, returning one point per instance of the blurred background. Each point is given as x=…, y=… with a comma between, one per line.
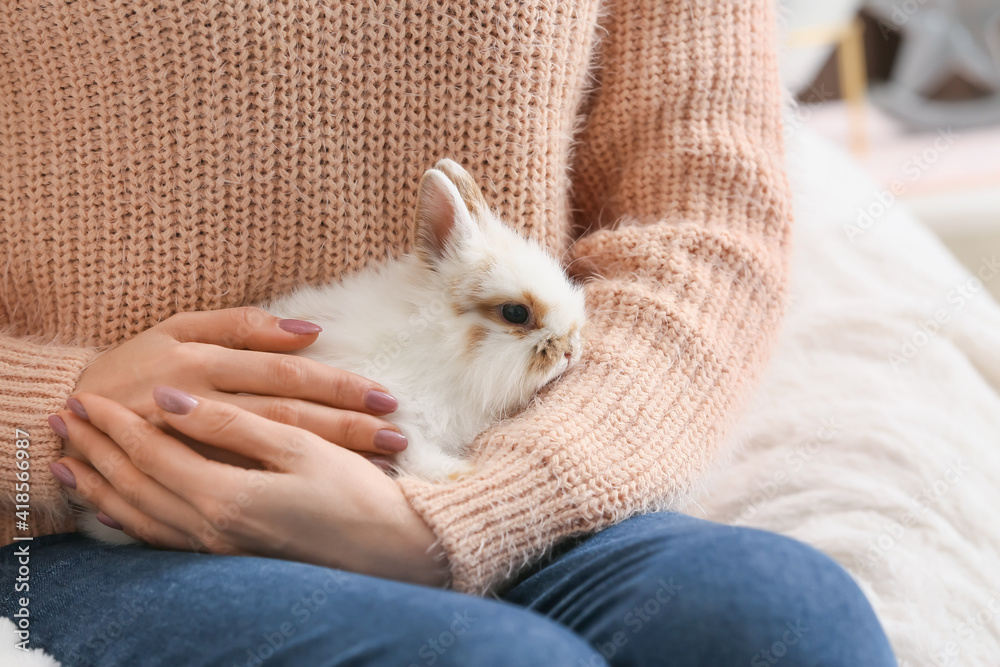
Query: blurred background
x=912, y=89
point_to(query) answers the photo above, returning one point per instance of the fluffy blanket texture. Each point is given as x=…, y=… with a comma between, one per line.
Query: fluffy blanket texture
x=876, y=435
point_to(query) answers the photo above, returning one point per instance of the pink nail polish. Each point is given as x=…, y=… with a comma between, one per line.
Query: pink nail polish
x=108, y=521
x=58, y=425
x=380, y=402
x=174, y=400
x=63, y=474
x=390, y=441
x=300, y=327
x=77, y=408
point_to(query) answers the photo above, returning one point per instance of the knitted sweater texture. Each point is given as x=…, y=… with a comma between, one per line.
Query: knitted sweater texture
x=180, y=155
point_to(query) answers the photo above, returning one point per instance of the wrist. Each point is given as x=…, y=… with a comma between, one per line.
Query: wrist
x=426, y=560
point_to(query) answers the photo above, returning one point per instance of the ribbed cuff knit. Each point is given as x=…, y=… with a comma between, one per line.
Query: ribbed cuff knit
x=35, y=381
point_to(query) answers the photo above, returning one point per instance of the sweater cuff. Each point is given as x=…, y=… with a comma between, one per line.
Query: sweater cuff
x=477, y=537
x=35, y=380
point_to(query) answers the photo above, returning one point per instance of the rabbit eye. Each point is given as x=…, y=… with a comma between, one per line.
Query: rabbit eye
x=515, y=313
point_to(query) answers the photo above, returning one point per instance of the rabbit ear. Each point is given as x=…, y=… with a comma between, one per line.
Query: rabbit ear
x=472, y=196
x=441, y=215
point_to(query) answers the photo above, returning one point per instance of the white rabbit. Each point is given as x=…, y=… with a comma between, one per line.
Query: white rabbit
x=462, y=331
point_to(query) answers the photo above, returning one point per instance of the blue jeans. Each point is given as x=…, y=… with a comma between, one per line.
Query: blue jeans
x=661, y=589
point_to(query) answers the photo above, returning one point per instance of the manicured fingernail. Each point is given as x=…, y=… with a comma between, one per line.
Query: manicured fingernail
x=77, y=408
x=58, y=425
x=299, y=327
x=390, y=441
x=108, y=521
x=63, y=474
x=379, y=401
x=174, y=400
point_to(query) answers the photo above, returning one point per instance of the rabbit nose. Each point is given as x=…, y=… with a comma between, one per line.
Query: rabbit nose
x=569, y=356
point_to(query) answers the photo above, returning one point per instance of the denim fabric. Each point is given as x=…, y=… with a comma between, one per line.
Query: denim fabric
x=662, y=589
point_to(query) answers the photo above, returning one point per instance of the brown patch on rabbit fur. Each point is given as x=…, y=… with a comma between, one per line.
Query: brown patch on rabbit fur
x=476, y=337
x=537, y=307
x=490, y=308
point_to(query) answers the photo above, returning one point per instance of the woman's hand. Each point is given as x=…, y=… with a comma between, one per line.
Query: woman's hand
x=313, y=502
x=226, y=355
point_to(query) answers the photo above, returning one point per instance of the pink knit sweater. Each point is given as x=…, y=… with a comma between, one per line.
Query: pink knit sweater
x=201, y=154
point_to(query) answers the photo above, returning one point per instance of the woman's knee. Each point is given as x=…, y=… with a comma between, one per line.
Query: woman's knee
x=808, y=605
x=680, y=591
x=745, y=596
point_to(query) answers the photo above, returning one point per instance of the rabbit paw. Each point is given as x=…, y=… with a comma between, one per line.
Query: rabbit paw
x=459, y=470
x=433, y=465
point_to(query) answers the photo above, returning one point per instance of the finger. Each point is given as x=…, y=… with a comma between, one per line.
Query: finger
x=277, y=446
x=93, y=487
x=241, y=328
x=132, y=486
x=353, y=430
x=177, y=467
x=291, y=376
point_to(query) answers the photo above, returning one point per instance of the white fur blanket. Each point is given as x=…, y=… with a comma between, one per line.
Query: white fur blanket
x=876, y=435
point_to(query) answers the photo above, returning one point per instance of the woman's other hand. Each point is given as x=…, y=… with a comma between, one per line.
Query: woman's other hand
x=312, y=502
x=227, y=355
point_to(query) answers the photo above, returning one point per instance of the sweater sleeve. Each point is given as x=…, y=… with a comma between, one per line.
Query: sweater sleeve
x=35, y=380
x=683, y=214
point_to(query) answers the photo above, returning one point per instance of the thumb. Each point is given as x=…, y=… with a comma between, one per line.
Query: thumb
x=246, y=328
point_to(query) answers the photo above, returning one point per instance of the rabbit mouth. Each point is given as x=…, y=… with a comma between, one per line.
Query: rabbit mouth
x=561, y=368
x=552, y=358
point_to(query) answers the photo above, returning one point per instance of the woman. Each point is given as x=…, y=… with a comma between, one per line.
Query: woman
x=194, y=157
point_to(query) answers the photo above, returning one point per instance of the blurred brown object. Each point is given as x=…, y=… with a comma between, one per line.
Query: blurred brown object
x=851, y=72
